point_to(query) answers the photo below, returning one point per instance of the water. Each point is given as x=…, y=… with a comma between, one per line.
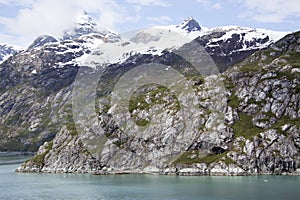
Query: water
x=140, y=187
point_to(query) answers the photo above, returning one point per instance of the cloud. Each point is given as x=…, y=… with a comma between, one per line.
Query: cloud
x=160, y=20
x=52, y=17
x=270, y=11
x=210, y=4
x=149, y=2
x=17, y=2
x=217, y=6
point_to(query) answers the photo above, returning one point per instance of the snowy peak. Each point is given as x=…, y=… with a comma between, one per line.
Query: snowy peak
x=85, y=29
x=42, y=40
x=83, y=25
x=246, y=38
x=7, y=50
x=85, y=20
x=189, y=25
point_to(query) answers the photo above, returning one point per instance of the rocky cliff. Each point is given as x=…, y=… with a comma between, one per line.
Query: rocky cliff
x=243, y=121
x=36, y=84
x=154, y=110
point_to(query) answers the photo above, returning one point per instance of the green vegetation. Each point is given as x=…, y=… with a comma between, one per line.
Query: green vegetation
x=228, y=83
x=234, y=101
x=191, y=157
x=285, y=120
x=255, y=62
x=197, y=81
x=297, y=89
x=13, y=144
x=245, y=127
x=40, y=158
x=293, y=59
x=148, y=96
x=142, y=122
x=287, y=74
x=250, y=67
x=119, y=143
x=69, y=121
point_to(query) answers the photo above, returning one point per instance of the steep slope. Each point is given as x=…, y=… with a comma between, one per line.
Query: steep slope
x=250, y=126
x=41, y=41
x=35, y=85
x=30, y=83
x=189, y=25
x=36, y=103
x=231, y=44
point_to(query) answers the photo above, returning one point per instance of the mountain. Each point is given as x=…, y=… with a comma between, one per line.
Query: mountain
x=41, y=41
x=38, y=85
x=189, y=25
x=231, y=44
x=246, y=121
x=83, y=25
x=6, y=51
x=227, y=45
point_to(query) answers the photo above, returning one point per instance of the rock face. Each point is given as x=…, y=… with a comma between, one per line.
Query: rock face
x=245, y=121
x=35, y=89
x=42, y=40
x=231, y=45
x=190, y=25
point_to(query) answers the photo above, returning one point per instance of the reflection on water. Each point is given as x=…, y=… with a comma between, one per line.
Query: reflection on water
x=136, y=187
x=7, y=158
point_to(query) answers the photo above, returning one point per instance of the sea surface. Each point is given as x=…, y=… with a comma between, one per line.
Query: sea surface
x=140, y=187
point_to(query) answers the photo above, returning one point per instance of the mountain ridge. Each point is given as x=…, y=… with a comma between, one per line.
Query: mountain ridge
x=260, y=134
x=258, y=76
x=84, y=25
x=51, y=66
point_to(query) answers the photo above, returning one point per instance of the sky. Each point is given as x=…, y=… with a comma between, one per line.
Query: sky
x=21, y=21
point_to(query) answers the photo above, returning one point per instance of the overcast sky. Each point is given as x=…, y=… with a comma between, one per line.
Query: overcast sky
x=21, y=21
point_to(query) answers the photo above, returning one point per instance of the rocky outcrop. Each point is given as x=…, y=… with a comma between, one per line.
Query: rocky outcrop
x=230, y=45
x=244, y=121
x=41, y=41
x=189, y=25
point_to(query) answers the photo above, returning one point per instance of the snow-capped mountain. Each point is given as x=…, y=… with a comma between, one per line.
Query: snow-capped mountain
x=85, y=44
x=7, y=50
x=229, y=45
x=249, y=38
x=85, y=25
x=189, y=28
x=42, y=40
x=189, y=25
x=77, y=43
x=36, y=85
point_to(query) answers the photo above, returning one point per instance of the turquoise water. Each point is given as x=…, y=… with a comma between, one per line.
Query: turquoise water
x=140, y=187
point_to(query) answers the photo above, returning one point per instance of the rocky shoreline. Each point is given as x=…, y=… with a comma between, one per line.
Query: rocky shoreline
x=218, y=169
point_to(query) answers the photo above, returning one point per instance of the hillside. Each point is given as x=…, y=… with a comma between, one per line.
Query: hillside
x=244, y=121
